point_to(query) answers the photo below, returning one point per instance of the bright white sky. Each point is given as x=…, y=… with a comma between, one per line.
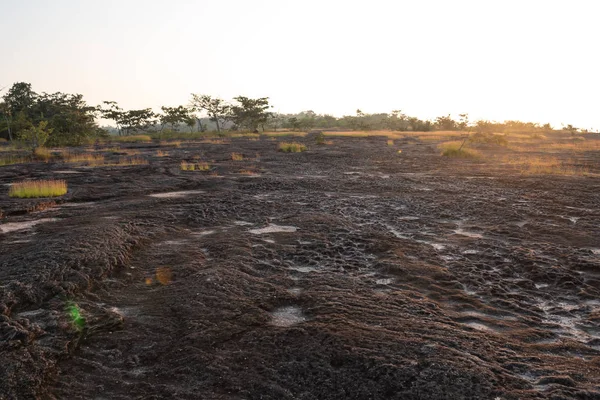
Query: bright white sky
x=534, y=60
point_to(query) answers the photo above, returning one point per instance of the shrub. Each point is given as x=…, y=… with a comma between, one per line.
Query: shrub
x=44, y=188
x=291, y=147
x=237, y=156
x=319, y=138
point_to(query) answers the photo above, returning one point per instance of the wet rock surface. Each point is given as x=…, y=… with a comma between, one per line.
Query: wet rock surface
x=346, y=272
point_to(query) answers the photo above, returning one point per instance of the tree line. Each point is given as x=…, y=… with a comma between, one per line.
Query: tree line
x=66, y=119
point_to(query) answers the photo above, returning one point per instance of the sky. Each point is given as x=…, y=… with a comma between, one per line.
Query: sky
x=498, y=60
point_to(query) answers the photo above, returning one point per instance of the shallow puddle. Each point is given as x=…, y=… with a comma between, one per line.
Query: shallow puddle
x=272, y=228
x=287, y=316
x=17, y=226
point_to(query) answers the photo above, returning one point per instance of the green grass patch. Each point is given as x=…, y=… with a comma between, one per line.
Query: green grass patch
x=43, y=188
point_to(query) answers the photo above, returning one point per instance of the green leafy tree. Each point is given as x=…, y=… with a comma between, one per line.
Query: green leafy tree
x=294, y=123
x=175, y=116
x=111, y=110
x=217, y=109
x=250, y=114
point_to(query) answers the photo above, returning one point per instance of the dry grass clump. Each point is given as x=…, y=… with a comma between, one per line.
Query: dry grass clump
x=130, y=161
x=291, y=147
x=42, y=153
x=43, y=188
x=544, y=165
x=132, y=139
x=172, y=143
x=160, y=153
x=285, y=133
x=237, y=156
x=390, y=142
x=199, y=166
x=10, y=160
x=89, y=159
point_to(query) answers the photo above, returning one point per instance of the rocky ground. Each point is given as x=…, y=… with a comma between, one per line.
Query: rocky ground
x=349, y=271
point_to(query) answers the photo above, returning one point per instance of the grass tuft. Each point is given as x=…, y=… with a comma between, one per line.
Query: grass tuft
x=187, y=166
x=42, y=153
x=10, y=160
x=237, y=156
x=44, y=188
x=291, y=147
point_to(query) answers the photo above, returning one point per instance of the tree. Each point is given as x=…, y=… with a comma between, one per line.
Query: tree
x=20, y=97
x=36, y=136
x=113, y=112
x=175, y=116
x=249, y=113
x=129, y=121
x=463, y=122
x=6, y=120
x=138, y=120
x=71, y=119
x=294, y=123
x=445, y=123
x=217, y=109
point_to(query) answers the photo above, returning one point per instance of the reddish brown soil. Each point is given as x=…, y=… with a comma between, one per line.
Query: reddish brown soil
x=409, y=276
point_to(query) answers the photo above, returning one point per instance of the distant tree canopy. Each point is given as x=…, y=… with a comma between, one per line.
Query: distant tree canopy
x=68, y=119
x=65, y=119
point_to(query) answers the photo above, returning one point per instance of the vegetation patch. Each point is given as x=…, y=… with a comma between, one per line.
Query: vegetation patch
x=173, y=143
x=86, y=158
x=291, y=147
x=130, y=161
x=42, y=154
x=43, y=188
x=11, y=160
x=456, y=149
x=198, y=166
x=237, y=156
x=132, y=139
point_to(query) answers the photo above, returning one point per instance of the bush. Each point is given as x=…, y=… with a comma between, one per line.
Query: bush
x=292, y=147
x=45, y=188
